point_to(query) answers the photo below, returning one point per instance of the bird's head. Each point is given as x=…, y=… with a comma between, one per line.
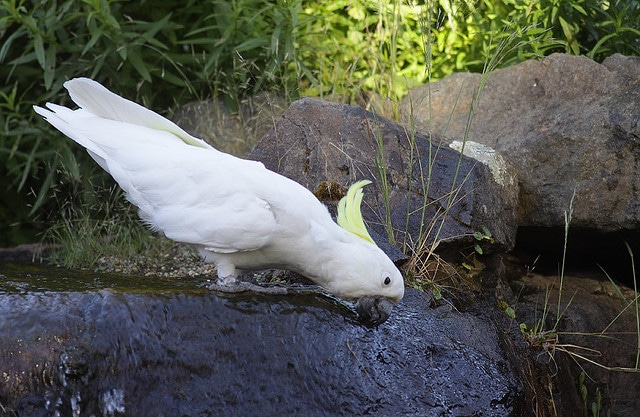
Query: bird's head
x=368, y=276
x=365, y=275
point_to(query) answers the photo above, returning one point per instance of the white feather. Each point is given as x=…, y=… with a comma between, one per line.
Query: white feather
x=235, y=212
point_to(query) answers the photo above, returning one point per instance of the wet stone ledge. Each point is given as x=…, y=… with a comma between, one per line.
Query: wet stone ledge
x=136, y=346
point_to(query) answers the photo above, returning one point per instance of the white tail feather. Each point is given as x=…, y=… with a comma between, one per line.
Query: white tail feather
x=96, y=99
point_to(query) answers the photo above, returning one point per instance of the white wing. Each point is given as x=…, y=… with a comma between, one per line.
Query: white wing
x=192, y=194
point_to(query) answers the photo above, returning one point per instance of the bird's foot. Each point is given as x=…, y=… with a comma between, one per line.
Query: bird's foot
x=227, y=281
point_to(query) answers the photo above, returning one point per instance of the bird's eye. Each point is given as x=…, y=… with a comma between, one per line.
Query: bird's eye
x=387, y=281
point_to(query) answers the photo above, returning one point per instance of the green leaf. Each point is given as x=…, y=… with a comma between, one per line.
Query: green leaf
x=50, y=66
x=123, y=52
x=43, y=193
x=38, y=47
x=96, y=35
x=8, y=42
x=157, y=26
x=139, y=65
x=510, y=312
x=579, y=8
x=169, y=77
x=436, y=293
x=567, y=29
x=251, y=44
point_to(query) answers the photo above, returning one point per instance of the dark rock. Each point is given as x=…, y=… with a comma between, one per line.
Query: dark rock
x=566, y=122
x=317, y=141
x=111, y=351
x=595, y=322
x=25, y=252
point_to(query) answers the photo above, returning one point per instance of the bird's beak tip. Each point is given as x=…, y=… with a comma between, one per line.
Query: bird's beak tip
x=373, y=311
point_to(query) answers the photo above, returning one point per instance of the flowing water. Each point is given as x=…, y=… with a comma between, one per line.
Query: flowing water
x=90, y=344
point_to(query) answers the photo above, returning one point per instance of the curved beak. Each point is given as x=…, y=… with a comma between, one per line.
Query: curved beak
x=373, y=311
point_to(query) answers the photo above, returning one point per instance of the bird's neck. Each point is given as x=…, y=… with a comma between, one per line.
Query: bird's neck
x=322, y=252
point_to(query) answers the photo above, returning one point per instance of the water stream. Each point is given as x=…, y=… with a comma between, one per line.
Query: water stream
x=89, y=344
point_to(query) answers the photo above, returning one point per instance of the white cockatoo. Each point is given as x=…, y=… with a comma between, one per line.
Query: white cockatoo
x=235, y=212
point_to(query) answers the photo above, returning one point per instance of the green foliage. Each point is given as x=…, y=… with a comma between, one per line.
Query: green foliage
x=131, y=47
x=352, y=45
x=110, y=226
x=425, y=285
x=482, y=236
x=241, y=46
x=596, y=409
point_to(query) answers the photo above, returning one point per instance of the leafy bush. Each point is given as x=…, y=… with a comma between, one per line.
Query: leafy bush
x=44, y=43
x=163, y=54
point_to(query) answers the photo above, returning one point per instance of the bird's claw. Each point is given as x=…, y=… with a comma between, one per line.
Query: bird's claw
x=227, y=281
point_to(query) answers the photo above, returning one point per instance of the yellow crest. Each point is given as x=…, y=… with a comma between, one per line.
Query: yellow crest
x=349, y=213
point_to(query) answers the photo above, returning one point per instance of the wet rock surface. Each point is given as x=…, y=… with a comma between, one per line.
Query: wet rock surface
x=177, y=349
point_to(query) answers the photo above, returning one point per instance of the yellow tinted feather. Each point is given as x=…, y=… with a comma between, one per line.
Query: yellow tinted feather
x=349, y=213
